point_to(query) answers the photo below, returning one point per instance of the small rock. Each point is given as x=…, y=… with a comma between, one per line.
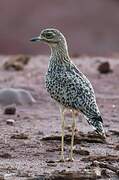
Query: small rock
x=40, y=133
x=53, y=149
x=10, y=122
x=97, y=170
x=114, y=132
x=5, y=155
x=117, y=147
x=104, y=68
x=19, y=136
x=16, y=66
x=11, y=110
x=24, y=59
x=18, y=115
x=81, y=151
x=52, y=164
x=16, y=62
x=2, y=177
x=114, y=106
x=105, y=174
x=50, y=161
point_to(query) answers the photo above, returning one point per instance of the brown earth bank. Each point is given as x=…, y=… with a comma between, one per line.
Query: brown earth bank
x=30, y=141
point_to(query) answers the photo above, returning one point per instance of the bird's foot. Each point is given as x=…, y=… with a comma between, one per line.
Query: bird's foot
x=71, y=159
x=62, y=159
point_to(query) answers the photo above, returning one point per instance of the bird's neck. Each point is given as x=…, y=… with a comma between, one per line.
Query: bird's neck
x=59, y=53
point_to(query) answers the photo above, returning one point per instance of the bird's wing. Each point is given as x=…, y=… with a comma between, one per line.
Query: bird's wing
x=85, y=99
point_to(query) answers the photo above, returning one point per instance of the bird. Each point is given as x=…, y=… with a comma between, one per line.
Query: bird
x=68, y=86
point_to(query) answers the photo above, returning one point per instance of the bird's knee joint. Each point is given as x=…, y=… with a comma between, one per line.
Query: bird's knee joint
x=62, y=125
x=73, y=125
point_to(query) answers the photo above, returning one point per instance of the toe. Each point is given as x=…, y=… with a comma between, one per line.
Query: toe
x=71, y=159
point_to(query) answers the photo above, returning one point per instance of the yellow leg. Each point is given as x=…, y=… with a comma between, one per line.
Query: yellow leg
x=72, y=138
x=62, y=140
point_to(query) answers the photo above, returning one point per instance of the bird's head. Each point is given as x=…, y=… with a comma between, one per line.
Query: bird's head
x=52, y=37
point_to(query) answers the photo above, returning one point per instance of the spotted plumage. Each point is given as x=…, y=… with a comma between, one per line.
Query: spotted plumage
x=68, y=85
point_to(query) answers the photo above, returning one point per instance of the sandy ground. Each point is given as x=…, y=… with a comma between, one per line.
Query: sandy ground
x=22, y=159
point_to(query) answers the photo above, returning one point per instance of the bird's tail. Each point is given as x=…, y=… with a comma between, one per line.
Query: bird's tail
x=97, y=124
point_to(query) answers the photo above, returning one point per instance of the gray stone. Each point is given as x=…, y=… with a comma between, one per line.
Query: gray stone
x=10, y=96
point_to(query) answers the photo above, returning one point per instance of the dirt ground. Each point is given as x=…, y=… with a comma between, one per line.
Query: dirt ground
x=34, y=155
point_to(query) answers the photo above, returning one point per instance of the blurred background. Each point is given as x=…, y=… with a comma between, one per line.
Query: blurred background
x=91, y=26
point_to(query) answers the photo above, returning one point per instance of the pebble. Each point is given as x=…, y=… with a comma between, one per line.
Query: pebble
x=5, y=155
x=50, y=161
x=10, y=122
x=114, y=106
x=98, y=172
x=104, y=68
x=17, y=62
x=19, y=136
x=81, y=152
x=10, y=110
x=2, y=177
x=117, y=147
x=105, y=173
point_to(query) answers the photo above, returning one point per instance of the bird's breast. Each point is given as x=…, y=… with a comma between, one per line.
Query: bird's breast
x=60, y=88
x=53, y=84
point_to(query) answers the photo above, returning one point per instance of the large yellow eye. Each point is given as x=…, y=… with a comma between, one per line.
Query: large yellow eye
x=49, y=35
